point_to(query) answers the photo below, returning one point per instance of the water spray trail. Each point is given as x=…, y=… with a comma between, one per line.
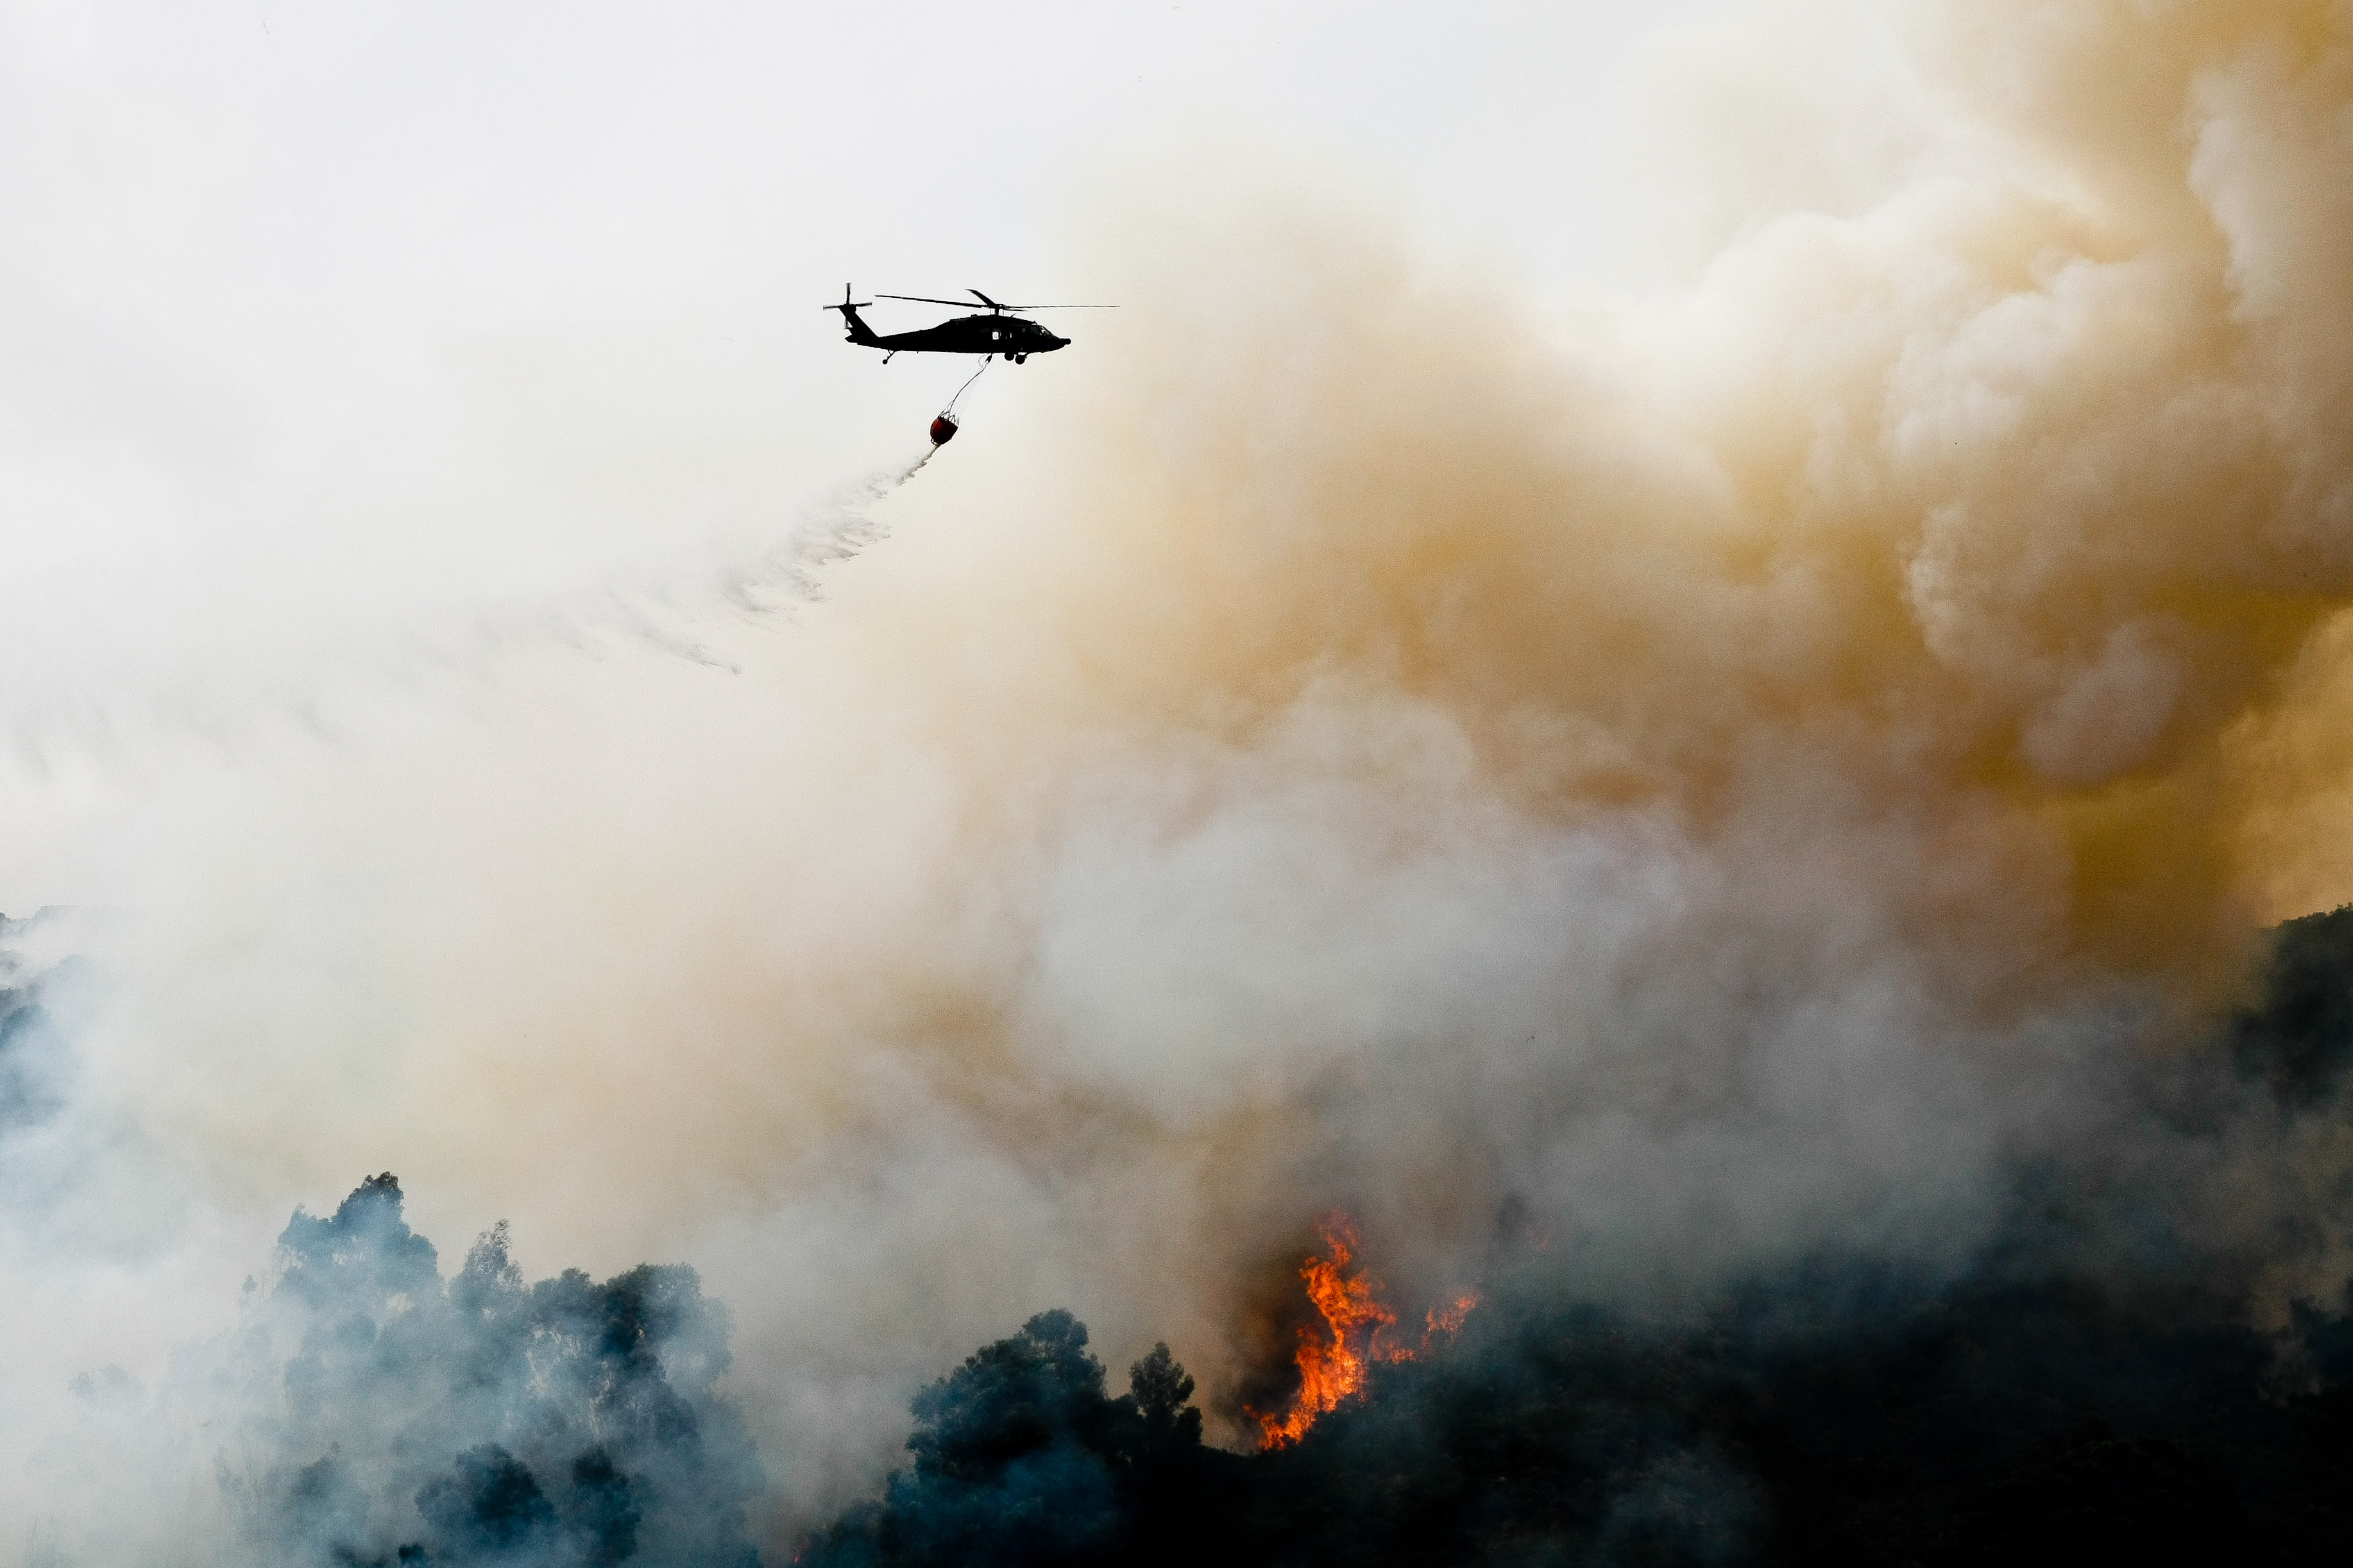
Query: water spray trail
x=839, y=530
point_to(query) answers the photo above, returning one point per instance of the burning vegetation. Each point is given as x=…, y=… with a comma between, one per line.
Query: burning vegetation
x=2052, y=1396
x=2049, y=1398
x=1335, y=1359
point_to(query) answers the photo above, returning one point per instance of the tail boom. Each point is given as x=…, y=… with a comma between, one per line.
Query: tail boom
x=859, y=332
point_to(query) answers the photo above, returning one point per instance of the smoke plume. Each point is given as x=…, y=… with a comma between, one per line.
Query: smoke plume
x=1750, y=770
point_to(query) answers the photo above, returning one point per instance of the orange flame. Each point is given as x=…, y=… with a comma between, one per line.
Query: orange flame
x=1334, y=1364
x=1449, y=1320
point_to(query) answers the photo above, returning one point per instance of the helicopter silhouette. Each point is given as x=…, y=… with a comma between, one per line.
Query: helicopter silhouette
x=1000, y=332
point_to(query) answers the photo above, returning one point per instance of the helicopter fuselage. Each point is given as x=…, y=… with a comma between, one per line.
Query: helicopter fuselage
x=1016, y=337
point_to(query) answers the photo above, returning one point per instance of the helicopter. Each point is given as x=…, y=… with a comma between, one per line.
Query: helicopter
x=1001, y=332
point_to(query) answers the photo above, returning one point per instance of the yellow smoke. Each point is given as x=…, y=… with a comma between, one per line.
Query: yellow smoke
x=2016, y=500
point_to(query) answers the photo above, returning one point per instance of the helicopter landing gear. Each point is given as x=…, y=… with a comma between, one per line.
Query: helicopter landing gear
x=1020, y=359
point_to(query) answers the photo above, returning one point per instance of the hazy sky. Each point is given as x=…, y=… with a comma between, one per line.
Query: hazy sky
x=323, y=324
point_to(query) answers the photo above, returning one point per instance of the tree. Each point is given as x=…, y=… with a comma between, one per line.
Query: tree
x=1020, y=1458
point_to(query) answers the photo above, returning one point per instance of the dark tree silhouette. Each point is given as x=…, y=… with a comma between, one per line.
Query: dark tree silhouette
x=562, y=1425
x=1020, y=1458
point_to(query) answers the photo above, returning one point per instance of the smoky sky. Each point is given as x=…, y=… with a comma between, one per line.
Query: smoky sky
x=1708, y=757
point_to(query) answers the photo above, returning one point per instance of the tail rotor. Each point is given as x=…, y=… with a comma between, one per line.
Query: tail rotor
x=859, y=332
x=848, y=304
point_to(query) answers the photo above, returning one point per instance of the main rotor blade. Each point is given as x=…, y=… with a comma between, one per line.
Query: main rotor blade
x=932, y=299
x=984, y=300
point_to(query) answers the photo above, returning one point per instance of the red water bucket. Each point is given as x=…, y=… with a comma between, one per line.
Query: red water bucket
x=942, y=431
